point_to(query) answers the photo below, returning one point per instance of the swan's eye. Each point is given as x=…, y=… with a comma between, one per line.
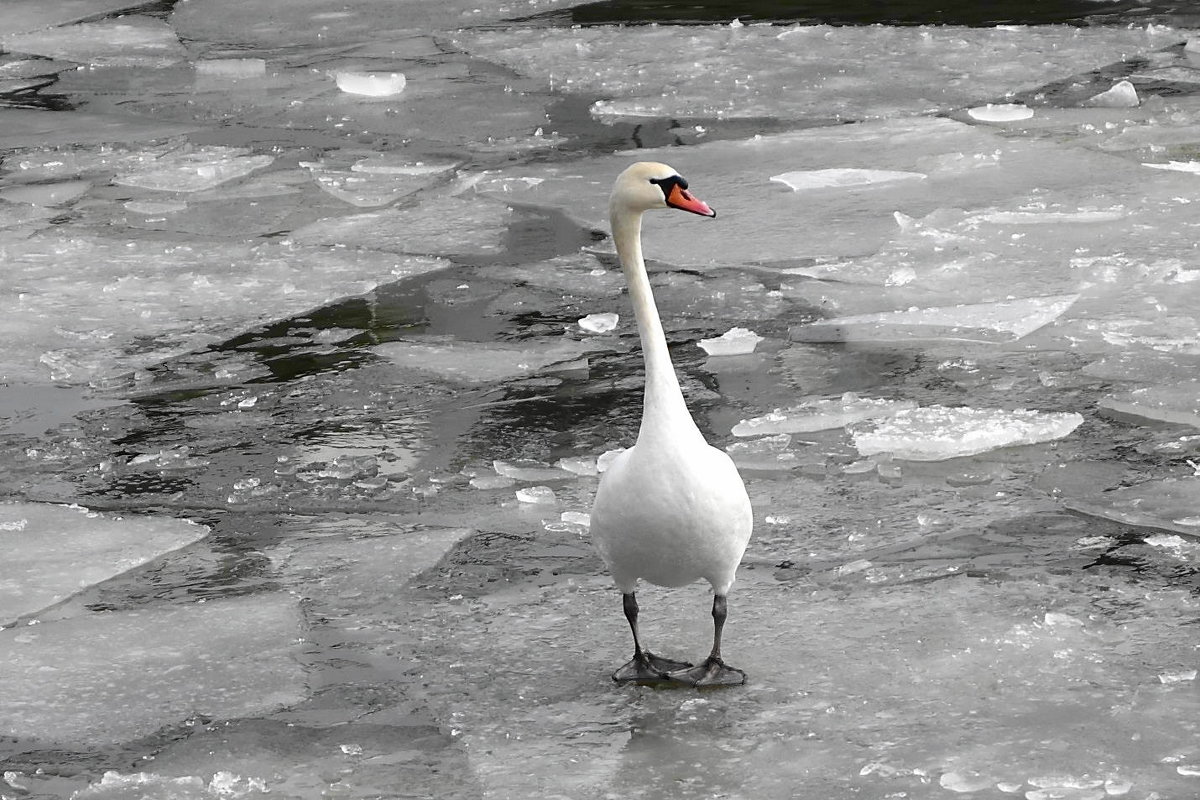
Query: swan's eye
x=668, y=183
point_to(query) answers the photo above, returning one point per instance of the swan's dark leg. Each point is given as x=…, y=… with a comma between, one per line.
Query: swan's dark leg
x=714, y=671
x=644, y=667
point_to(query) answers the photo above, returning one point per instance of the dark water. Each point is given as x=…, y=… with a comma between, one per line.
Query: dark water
x=869, y=12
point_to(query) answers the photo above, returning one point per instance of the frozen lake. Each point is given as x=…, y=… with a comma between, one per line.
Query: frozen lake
x=315, y=337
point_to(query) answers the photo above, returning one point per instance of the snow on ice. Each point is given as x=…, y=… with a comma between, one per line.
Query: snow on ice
x=937, y=433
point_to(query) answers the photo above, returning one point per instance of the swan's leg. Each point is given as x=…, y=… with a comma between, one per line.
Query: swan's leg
x=714, y=671
x=644, y=667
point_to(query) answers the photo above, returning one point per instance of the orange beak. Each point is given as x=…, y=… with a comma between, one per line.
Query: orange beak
x=684, y=200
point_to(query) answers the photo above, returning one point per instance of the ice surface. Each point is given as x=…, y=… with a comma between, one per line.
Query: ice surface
x=46, y=194
x=370, y=84
x=232, y=68
x=842, y=178
x=536, y=495
x=733, y=342
x=145, y=300
x=443, y=226
x=1177, y=403
x=599, y=323
x=1002, y=321
x=822, y=72
x=375, y=181
x=193, y=169
x=221, y=786
x=27, y=127
x=128, y=41
x=531, y=471
x=819, y=414
x=1000, y=112
x=1121, y=95
x=937, y=433
x=52, y=552
x=482, y=362
x=1172, y=504
x=159, y=666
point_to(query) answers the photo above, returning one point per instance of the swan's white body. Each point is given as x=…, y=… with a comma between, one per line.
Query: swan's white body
x=671, y=509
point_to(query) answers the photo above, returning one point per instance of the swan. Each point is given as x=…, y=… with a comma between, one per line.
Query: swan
x=671, y=509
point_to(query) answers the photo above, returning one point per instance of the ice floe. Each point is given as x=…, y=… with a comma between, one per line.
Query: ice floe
x=1177, y=403
x=52, y=552
x=843, y=178
x=1000, y=112
x=224, y=659
x=937, y=433
x=1171, y=504
x=370, y=84
x=485, y=362
x=128, y=41
x=1001, y=321
x=819, y=414
x=733, y=342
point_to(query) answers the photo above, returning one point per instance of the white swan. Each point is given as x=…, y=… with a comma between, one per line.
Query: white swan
x=671, y=509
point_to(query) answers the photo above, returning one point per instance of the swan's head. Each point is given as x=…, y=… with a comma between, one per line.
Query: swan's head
x=647, y=185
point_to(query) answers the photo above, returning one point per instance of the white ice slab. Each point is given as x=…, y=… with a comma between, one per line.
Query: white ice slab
x=97, y=306
x=139, y=785
x=803, y=71
x=1177, y=403
x=484, y=362
x=1003, y=321
x=45, y=194
x=733, y=342
x=1121, y=95
x=159, y=666
x=369, y=183
x=937, y=433
x=819, y=414
x=193, y=169
x=531, y=471
x=444, y=225
x=370, y=84
x=1172, y=504
x=843, y=178
x=1000, y=112
x=128, y=41
x=52, y=552
x=599, y=323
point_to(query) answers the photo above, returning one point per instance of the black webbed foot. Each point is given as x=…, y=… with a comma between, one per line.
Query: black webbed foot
x=647, y=669
x=711, y=674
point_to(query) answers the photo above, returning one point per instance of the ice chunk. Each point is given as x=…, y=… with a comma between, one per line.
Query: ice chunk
x=599, y=323
x=1172, y=504
x=1000, y=112
x=128, y=41
x=222, y=786
x=802, y=71
x=733, y=342
x=842, y=178
x=579, y=465
x=1003, y=321
x=936, y=433
x=819, y=414
x=448, y=225
x=52, y=552
x=1121, y=95
x=232, y=68
x=1177, y=403
x=964, y=782
x=479, y=362
x=1177, y=677
x=225, y=658
x=1176, y=166
x=371, y=84
x=537, y=495
x=374, y=182
x=529, y=471
x=193, y=169
x=45, y=194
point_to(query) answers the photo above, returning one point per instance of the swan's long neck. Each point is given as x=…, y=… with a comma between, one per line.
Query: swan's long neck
x=664, y=410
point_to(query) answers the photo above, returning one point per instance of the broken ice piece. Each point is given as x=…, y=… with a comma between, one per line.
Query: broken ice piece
x=45, y=194
x=1177, y=403
x=232, y=68
x=193, y=169
x=599, y=323
x=151, y=207
x=1121, y=95
x=1177, y=166
x=1172, y=505
x=529, y=471
x=1003, y=321
x=1177, y=677
x=580, y=518
x=733, y=342
x=481, y=362
x=606, y=458
x=577, y=465
x=806, y=180
x=491, y=482
x=964, y=782
x=371, y=84
x=1000, y=112
x=536, y=495
x=820, y=414
x=936, y=433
